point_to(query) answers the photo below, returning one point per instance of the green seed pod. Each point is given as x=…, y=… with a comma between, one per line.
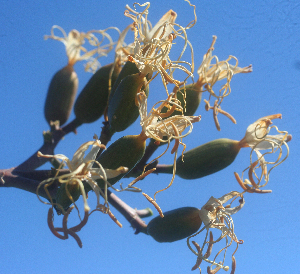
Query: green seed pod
x=126, y=151
x=62, y=197
x=122, y=110
x=207, y=159
x=176, y=224
x=192, y=100
x=61, y=95
x=92, y=100
x=128, y=69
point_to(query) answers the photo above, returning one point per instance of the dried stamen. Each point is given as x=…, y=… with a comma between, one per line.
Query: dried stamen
x=199, y=258
x=217, y=109
x=210, y=245
x=112, y=216
x=142, y=176
x=154, y=204
x=233, y=266
x=51, y=226
x=73, y=234
x=82, y=223
x=65, y=221
x=210, y=271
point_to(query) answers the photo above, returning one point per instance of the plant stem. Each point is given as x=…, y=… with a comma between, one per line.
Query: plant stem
x=30, y=180
x=33, y=162
x=129, y=213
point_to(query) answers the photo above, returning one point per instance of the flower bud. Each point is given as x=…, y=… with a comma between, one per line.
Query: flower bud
x=122, y=109
x=92, y=101
x=63, y=199
x=207, y=158
x=61, y=95
x=126, y=151
x=176, y=224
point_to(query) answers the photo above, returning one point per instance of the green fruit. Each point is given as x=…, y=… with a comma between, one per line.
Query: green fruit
x=176, y=224
x=207, y=159
x=128, y=69
x=122, y=108
x=126, y=151
x=92, y=101
x=192, y=100
x=61, y=95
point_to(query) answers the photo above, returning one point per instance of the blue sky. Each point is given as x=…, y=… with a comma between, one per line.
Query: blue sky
x=262, y=33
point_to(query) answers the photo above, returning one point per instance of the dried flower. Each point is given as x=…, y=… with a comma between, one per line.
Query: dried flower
x=161, y=30
x=163, y=128
x=257, y=137
x=151, y=47
x=158, y=125
x=215, y=215
x=82, y=169
x=210, y=73
x=75, y=40
x=257, y=131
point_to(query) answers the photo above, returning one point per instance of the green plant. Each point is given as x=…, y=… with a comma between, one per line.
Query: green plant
x=148, y=54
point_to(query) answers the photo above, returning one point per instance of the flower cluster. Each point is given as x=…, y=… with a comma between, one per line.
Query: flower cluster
x=162, y=126
x=149, y=54
x=82, y=171
x=151, y=47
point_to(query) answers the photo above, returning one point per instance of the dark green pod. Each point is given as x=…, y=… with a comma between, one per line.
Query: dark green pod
x=176, y=224
x=62, y=197
x=207, y=159
x=192, y=100
x=126, y=151
x=92, y=101
x=122, y=109
x=61, y=95
x=128, y=69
